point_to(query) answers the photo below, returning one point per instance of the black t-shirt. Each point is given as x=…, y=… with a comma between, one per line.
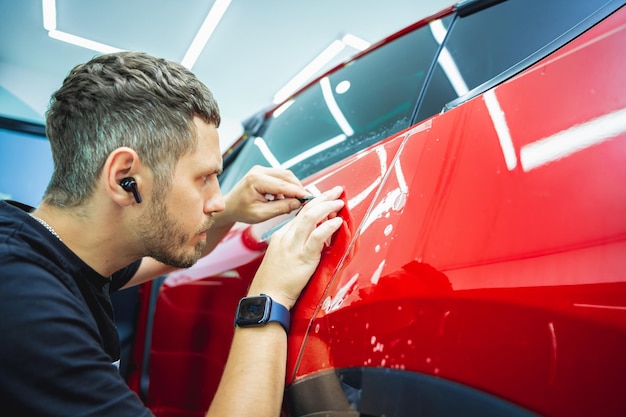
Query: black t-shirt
x=59, y=348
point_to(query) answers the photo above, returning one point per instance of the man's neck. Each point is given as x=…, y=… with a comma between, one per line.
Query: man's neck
x=94, y=235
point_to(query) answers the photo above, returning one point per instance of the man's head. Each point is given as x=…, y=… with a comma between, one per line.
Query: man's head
x=126, y=99
x=172, y=227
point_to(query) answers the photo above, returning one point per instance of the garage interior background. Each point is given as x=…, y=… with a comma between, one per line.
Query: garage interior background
x=248, y=52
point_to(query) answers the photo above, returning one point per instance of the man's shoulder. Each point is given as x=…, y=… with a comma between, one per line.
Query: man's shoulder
x=16, y=236
x=28, y=259
x=13, y=219
x=12, y=204
x=26, y=273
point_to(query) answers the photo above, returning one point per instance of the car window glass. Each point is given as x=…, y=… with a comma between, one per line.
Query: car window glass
x=362, y=103
x=482, y=45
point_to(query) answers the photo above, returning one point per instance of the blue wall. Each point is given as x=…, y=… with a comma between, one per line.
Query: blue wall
x=25, y=166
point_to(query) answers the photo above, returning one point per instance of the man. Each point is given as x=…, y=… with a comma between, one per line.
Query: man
x=134, y=194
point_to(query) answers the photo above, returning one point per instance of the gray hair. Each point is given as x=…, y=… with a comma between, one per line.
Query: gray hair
x=123, y=99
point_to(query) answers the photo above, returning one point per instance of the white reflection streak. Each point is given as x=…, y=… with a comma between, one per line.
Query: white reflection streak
x=313, y=189
x=452, y=72
x=333, y=303
x=573, y=140
x=314, y=150
x=334, y=108
x=602, y=307
x=337, y=115
x=360, y=197
x=438, y=30
x=381, y=153
x=404, y=188
x=502, y=129
x=388, y=203
x=265, y=151
x=322, y=59
x=446, y=61
x=554, y=352
x=280, y=110
x=385, y=205
x=318, y=63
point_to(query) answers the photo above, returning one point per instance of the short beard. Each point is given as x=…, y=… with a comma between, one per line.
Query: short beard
x=164, y=239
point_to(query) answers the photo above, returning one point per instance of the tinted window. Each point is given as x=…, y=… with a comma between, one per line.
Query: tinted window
x=364, y=102
x=483, y=45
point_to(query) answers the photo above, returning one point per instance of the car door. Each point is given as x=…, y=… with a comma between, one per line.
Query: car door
x=495, y=286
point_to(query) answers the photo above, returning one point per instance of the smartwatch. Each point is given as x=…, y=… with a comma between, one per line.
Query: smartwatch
x=260, y=310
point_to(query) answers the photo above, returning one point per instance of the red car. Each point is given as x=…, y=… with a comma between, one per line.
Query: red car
x=481, y=270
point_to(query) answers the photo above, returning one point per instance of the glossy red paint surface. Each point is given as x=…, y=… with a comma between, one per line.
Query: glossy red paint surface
x=489, y=256
x=508, y=279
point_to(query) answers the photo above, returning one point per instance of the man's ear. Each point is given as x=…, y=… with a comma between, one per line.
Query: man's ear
x=122, y=175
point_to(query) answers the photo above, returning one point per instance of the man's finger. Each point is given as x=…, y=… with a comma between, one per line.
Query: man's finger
x=323, y=232
x=276, y=207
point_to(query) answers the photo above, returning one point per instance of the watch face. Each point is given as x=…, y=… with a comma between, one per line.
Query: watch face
x=253, y=310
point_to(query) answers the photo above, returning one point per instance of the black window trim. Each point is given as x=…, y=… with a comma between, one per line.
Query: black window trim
x=431, y=71
x=609, y=8
x=467, y=7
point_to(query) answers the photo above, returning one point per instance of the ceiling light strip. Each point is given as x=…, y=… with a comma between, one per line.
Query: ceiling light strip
x=82, y=42
x=313, y=67
x=49, y=9
x=49, y=14
x=206, y=30
x=355, y=42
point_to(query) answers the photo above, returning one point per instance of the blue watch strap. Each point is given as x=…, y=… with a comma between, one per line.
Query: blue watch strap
x=279, y=313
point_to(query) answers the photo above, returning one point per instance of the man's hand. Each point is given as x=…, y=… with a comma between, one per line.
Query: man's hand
x=261, y=194
x=295, y=250
x=255, y=369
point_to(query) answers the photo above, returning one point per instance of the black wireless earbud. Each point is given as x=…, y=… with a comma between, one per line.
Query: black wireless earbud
x=129, y=184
